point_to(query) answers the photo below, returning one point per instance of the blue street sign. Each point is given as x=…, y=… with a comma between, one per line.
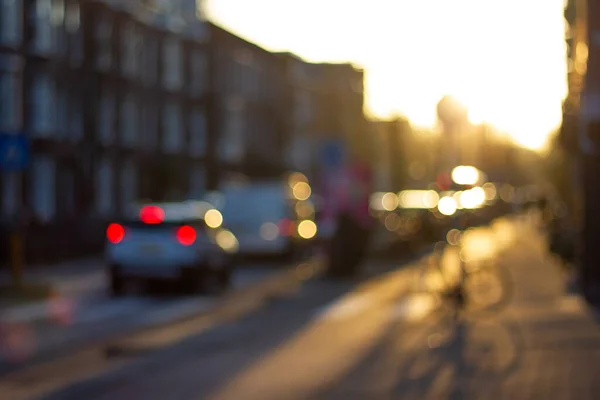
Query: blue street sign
x=333, y=154
x=14, y=152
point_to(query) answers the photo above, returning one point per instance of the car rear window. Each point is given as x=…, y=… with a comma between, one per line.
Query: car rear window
x=165, y=215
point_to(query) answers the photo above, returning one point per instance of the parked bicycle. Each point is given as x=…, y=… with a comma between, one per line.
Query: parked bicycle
x=472, y=289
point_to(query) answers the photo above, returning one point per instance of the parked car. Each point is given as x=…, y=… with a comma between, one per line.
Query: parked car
x=183, y=241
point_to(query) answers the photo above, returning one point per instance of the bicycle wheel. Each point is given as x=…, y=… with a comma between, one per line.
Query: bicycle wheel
x=433, y=282
x=488, y=290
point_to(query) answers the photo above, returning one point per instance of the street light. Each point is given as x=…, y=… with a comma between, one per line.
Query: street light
x=447, y=206
x=465, y=175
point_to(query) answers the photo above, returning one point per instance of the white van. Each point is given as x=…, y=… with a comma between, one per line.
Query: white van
x=263, y=217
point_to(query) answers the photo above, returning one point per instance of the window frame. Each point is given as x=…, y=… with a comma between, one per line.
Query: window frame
x=11, y=16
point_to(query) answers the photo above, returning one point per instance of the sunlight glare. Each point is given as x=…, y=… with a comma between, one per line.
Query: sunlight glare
x=504, y=59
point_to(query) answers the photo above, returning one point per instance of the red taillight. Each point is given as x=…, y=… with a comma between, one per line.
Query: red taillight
x=152, y=215
x=115, y=233
x=286, y=227
x=186, y=235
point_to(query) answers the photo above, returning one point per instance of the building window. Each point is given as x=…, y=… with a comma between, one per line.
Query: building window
x=41, y=17
x=199, y=73
x=75, y=117
x=257, y=85
x=172, y=129
x=107, y=114
x=43, y=106
x=62, y=112
x=11, y=27
x=43, y=187
x=150, y=56
x=66, y=189
x=57, y=26
x=11, y=194
x=302, y=108
x=129, y=121
x=10, y=101
x=129, y=45
x=149, y=125
x=197, y=185
x=197, y=134
x=103, y=36
x=73, y=28
x=246, y=77
x=104, y=188
x=232, y=141
x=235, y=79
x=138, y=52
x=172, y=64
x=128, y=185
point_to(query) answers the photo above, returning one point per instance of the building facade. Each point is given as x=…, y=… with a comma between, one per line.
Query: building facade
x=306, y=90
x=150, y=117
x=247, y=85
x=340, y=111
x=113, y=98
x=325, y=102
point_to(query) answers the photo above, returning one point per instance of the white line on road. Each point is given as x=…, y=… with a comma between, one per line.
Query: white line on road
x=414, y=308
x=344, y=309
x=110, y=309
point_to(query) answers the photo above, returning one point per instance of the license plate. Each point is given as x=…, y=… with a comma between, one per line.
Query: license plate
x=150, y=248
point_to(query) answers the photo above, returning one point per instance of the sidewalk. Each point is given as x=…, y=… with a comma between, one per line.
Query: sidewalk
x=546, y=345
x=70, y=281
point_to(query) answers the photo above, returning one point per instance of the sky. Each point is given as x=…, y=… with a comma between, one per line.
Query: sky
x=504, y=59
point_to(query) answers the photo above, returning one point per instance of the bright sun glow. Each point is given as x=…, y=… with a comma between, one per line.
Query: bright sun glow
x=504, y=59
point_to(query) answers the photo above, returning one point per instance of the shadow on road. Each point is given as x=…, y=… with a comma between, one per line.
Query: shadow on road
x=453, y=359
x=435, y=359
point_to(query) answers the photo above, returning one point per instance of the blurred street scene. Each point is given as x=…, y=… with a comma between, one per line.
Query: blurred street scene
x=221, y=199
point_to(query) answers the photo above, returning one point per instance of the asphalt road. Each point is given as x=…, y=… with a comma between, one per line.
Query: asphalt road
x=376, y=338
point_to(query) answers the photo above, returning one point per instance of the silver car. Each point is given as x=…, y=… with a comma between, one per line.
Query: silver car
x=184, y=241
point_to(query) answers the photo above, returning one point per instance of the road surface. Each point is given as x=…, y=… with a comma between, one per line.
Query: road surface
x=375, y=339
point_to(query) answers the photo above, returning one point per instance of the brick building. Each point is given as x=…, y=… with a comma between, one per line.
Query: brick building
x=249, y=117
x=325, y=101
x=340, y=111
x=109, y=94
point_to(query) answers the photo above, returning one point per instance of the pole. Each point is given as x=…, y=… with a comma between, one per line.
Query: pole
x=16, y=256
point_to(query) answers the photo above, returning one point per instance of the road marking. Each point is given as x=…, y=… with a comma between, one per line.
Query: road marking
x=415, y=307
x=112, y=309
x=344, y=309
